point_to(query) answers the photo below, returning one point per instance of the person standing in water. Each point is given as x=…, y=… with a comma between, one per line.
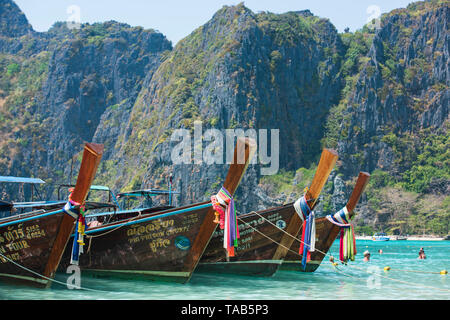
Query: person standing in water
x=422, y=254
x=366, y=256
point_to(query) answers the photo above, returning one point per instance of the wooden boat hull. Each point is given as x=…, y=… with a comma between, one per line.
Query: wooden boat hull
x=254, y=268
x=153, y=246
x=32, y=244
x=256, y=251
x=28, y=242
x=257, y=245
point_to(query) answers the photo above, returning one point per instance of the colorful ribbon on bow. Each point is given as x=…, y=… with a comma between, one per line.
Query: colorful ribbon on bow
x=225, y=212
x=80, y=228
x=308, y=241
x=347, y=244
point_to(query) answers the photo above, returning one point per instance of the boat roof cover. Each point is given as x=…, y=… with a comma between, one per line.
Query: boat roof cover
x=93, y=187
x=103, y=188
x=40, y=204
x=20, y=180
x=145, y=192
x=55, y=204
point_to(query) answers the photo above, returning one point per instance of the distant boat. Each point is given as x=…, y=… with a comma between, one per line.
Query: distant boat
x=401, y=238
x=380, y=236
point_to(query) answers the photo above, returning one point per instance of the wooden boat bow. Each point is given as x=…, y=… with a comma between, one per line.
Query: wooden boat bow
x=92, y=155
x=360, y=186
x=327, y=161
x=244, y=150
x=327, y=231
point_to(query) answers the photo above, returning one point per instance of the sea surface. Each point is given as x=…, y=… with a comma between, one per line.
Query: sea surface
x=408, y=279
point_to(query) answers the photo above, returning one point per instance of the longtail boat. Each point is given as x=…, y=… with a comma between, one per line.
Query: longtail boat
x=264, y=234
x=163, y=245
x=327, y=230
x=32, y=244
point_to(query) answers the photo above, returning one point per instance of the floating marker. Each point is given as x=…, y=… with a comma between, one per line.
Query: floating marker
x=444, y=272
x=387, y=268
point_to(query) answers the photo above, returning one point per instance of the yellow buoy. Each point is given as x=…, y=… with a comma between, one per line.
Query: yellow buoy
x=387, y=268
x=335, y=264
x=444, y=272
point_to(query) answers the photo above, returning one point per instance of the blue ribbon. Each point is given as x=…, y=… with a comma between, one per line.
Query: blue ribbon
x=306, y=210
x=75, y=247
x=306, y=248
x=308, y=219
x=71, y=210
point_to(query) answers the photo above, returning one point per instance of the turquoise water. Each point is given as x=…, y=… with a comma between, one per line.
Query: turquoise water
x=343, y=283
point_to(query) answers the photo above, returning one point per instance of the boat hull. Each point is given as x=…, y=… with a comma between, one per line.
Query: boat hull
x=26, y=244
x=255, y=251
x=256, y=268
x=157, y=246
x=257, y=245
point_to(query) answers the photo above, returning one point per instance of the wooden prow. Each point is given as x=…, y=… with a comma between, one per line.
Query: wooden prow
x=243, y=152
x=361, y=183
x=91, y=158
x=327, y=161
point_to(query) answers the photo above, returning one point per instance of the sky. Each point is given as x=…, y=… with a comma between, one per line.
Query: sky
x=178, y=18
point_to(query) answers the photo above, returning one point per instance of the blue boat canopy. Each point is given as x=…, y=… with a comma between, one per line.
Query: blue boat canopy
x=32, y=204
x=146, y=192
x=102, y=188
x=20, y=180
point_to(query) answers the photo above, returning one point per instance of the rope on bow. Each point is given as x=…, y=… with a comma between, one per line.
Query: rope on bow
x=347, y=244
x=308, y=242
x=77, y=211
x=225, y=215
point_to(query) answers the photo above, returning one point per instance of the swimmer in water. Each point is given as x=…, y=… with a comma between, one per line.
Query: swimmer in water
x=366, y=256
x=421, y=254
